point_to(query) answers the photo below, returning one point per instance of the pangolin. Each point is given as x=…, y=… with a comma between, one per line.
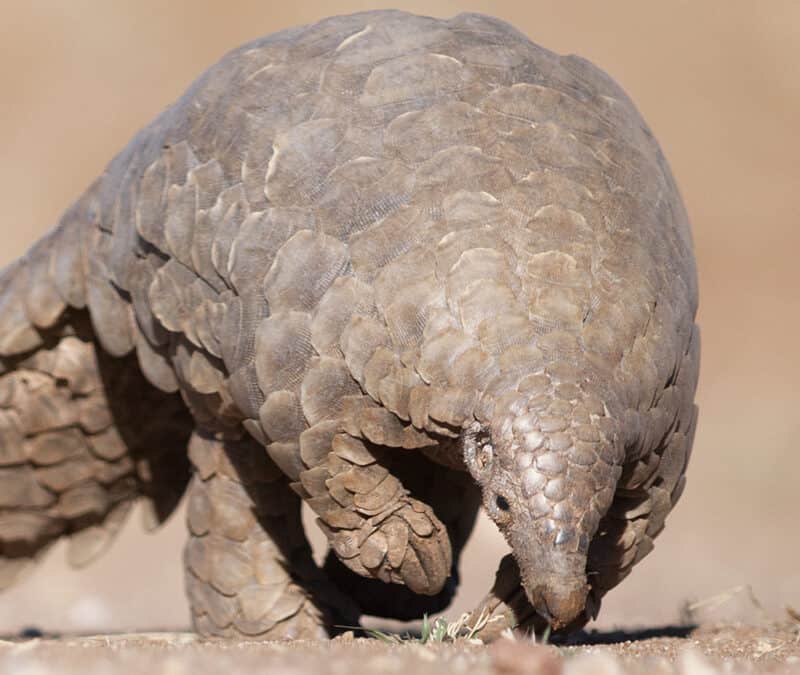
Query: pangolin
x=391, y=266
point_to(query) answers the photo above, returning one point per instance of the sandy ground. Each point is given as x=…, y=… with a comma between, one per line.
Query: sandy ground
x=704, y=651
x=718, y=84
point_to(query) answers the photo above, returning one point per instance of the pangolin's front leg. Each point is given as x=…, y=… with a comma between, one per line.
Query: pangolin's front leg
x=455, y=499
x=373, y=524
x=249, y=569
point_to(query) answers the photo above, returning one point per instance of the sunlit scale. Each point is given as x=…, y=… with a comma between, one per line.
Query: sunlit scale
x=551, y=463
x=533, y=481
x=559, y=441
x=582, y=454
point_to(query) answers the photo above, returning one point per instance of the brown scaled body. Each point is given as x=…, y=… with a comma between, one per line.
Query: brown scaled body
x=389, y=265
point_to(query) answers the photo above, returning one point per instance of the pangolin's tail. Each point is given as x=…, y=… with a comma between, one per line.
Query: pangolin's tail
x=82, y=434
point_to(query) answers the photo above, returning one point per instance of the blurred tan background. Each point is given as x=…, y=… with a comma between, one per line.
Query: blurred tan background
x=717, y=81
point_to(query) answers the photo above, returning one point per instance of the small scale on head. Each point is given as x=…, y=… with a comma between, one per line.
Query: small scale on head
x=548, y=466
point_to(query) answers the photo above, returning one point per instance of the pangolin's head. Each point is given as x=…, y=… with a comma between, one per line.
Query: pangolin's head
x=548, y=462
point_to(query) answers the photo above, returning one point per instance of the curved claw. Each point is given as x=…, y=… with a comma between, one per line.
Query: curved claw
x=505, y=606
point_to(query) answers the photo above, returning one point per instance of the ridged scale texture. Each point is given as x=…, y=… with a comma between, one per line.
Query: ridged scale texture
x=361, y=238
x=249, y=566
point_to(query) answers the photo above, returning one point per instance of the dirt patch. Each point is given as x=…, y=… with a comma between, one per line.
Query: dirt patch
x=710, y=649
x=707, y=649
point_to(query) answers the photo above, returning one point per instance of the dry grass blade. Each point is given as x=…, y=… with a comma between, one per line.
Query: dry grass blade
x=389, y=638
x=461, y=628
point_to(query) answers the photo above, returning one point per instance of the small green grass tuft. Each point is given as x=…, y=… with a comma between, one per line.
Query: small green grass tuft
x=438, y=630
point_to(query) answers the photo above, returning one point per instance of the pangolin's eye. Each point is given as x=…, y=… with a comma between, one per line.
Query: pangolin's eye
x=502, y=503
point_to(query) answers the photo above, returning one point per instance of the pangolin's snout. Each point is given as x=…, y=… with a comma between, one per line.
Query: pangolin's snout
x=554, y=579
x=559, y=601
